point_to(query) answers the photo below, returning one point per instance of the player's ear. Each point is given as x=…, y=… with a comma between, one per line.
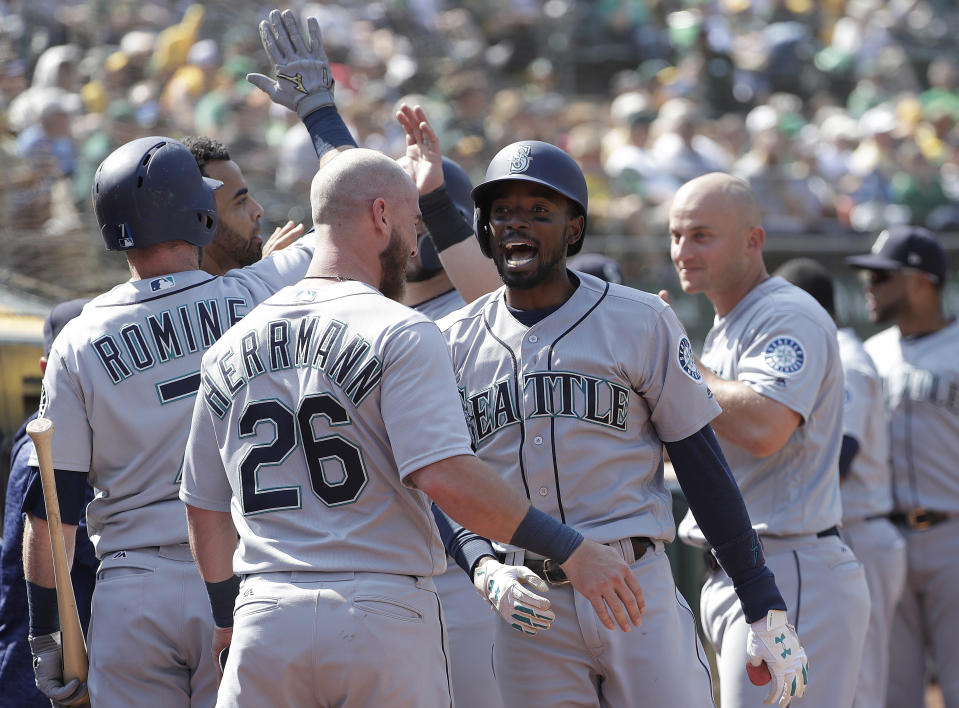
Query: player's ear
x=574, y=229
x=756, y=238
x=379, y=210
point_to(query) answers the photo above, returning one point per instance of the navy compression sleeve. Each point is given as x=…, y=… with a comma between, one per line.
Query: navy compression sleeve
x=719, y=510
x=71, y=493
x=847, y=453
x=464, y=547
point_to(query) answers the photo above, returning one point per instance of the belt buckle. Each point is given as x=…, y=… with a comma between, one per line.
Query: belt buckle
x=547, y=565
x=914, y=522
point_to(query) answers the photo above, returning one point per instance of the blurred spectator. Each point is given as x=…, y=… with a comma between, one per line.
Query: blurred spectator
x=50, y=137
x=842, y=113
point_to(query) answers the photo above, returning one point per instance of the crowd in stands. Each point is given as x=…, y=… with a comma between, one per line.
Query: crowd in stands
x=842, y=114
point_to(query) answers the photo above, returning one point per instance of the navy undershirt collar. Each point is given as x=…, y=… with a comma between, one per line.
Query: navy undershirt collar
x=531, y=317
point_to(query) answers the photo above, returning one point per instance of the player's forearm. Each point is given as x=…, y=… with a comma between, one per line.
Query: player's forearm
x=472, y=494
x=750, y=420
x=212, y=541
x=37, y=555
x=472, y=273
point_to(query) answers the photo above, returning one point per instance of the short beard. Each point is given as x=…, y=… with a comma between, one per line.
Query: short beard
x=244, y=251
x=393, y=261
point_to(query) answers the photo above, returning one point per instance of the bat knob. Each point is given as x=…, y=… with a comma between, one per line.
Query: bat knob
x=39, y=427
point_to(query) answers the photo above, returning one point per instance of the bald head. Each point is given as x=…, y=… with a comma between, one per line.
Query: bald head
x=716, y=239
x=718, y=191
x=345, y=186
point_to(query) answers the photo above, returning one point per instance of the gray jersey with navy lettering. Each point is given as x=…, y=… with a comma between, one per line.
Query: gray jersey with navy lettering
x=781, y=343
x=576, y=417
x=921, y=384
x=120, y=385
x=320, y=403
x=867, y=490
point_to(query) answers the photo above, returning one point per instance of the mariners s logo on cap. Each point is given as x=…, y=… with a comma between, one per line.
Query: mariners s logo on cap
x=519, y=162
x=785, y=355
x=687, y=361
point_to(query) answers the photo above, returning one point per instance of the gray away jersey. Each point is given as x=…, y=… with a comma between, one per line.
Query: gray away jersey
x=573, y=410
x=921, y=383
x=867, y=490
x=781, y=343
x=312, y=412
x=120, y=386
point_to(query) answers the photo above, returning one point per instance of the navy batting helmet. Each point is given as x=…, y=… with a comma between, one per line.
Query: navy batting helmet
x=151, y=190
x=531, y=161
x=458, y=186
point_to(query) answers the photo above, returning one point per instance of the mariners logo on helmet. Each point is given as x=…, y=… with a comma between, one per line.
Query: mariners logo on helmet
x=519, y=162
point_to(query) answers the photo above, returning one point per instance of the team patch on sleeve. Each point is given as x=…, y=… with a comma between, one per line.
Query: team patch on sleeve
x=785, y=355
x=687, y=361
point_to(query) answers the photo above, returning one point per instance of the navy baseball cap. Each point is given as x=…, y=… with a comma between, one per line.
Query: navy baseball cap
x=57, y=319
x=597, y=264
x=905, y=247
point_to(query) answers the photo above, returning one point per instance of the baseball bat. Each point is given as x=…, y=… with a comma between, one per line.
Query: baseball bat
x=75, y=662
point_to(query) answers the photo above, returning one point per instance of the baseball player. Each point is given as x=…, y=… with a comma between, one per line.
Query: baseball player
x=865, y=484
x=119, y=386
x=916, y=358
x=772, y=361
x=16, y=675
x=576, y=420
x=327, y=420
x=237, y=241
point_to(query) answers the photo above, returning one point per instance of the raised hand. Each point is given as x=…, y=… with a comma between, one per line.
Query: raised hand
x=303, y=80
x=424, y=159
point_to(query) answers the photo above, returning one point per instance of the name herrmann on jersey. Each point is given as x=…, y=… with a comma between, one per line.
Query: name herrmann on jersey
x=345, y=358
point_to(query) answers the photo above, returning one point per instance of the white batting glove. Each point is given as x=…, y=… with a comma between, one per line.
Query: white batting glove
x=303, y=81
x=503, y=586
x=774, y=641
x=48, y=672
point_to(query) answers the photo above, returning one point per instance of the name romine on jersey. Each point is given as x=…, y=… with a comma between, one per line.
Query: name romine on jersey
x=564, y=394
x=324, y=345
x=167, y=335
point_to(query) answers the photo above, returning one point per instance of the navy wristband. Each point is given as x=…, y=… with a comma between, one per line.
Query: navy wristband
x=327, y=130
x=543, y=534
x=446, y=224
x=222, y=598
x=44, y=616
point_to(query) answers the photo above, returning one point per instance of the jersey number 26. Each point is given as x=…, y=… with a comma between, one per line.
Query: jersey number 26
x=316, y=452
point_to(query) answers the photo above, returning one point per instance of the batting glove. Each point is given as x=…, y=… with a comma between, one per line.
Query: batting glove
x=303, y=81
x=48, y=672
x=503, y=586
x=774, y=641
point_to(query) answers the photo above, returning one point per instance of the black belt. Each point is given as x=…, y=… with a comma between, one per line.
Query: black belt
x=551, y=571
x=713, y=564
x=919, y=518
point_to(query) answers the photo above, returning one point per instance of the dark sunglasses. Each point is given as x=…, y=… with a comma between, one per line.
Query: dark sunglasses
x=876, y=277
